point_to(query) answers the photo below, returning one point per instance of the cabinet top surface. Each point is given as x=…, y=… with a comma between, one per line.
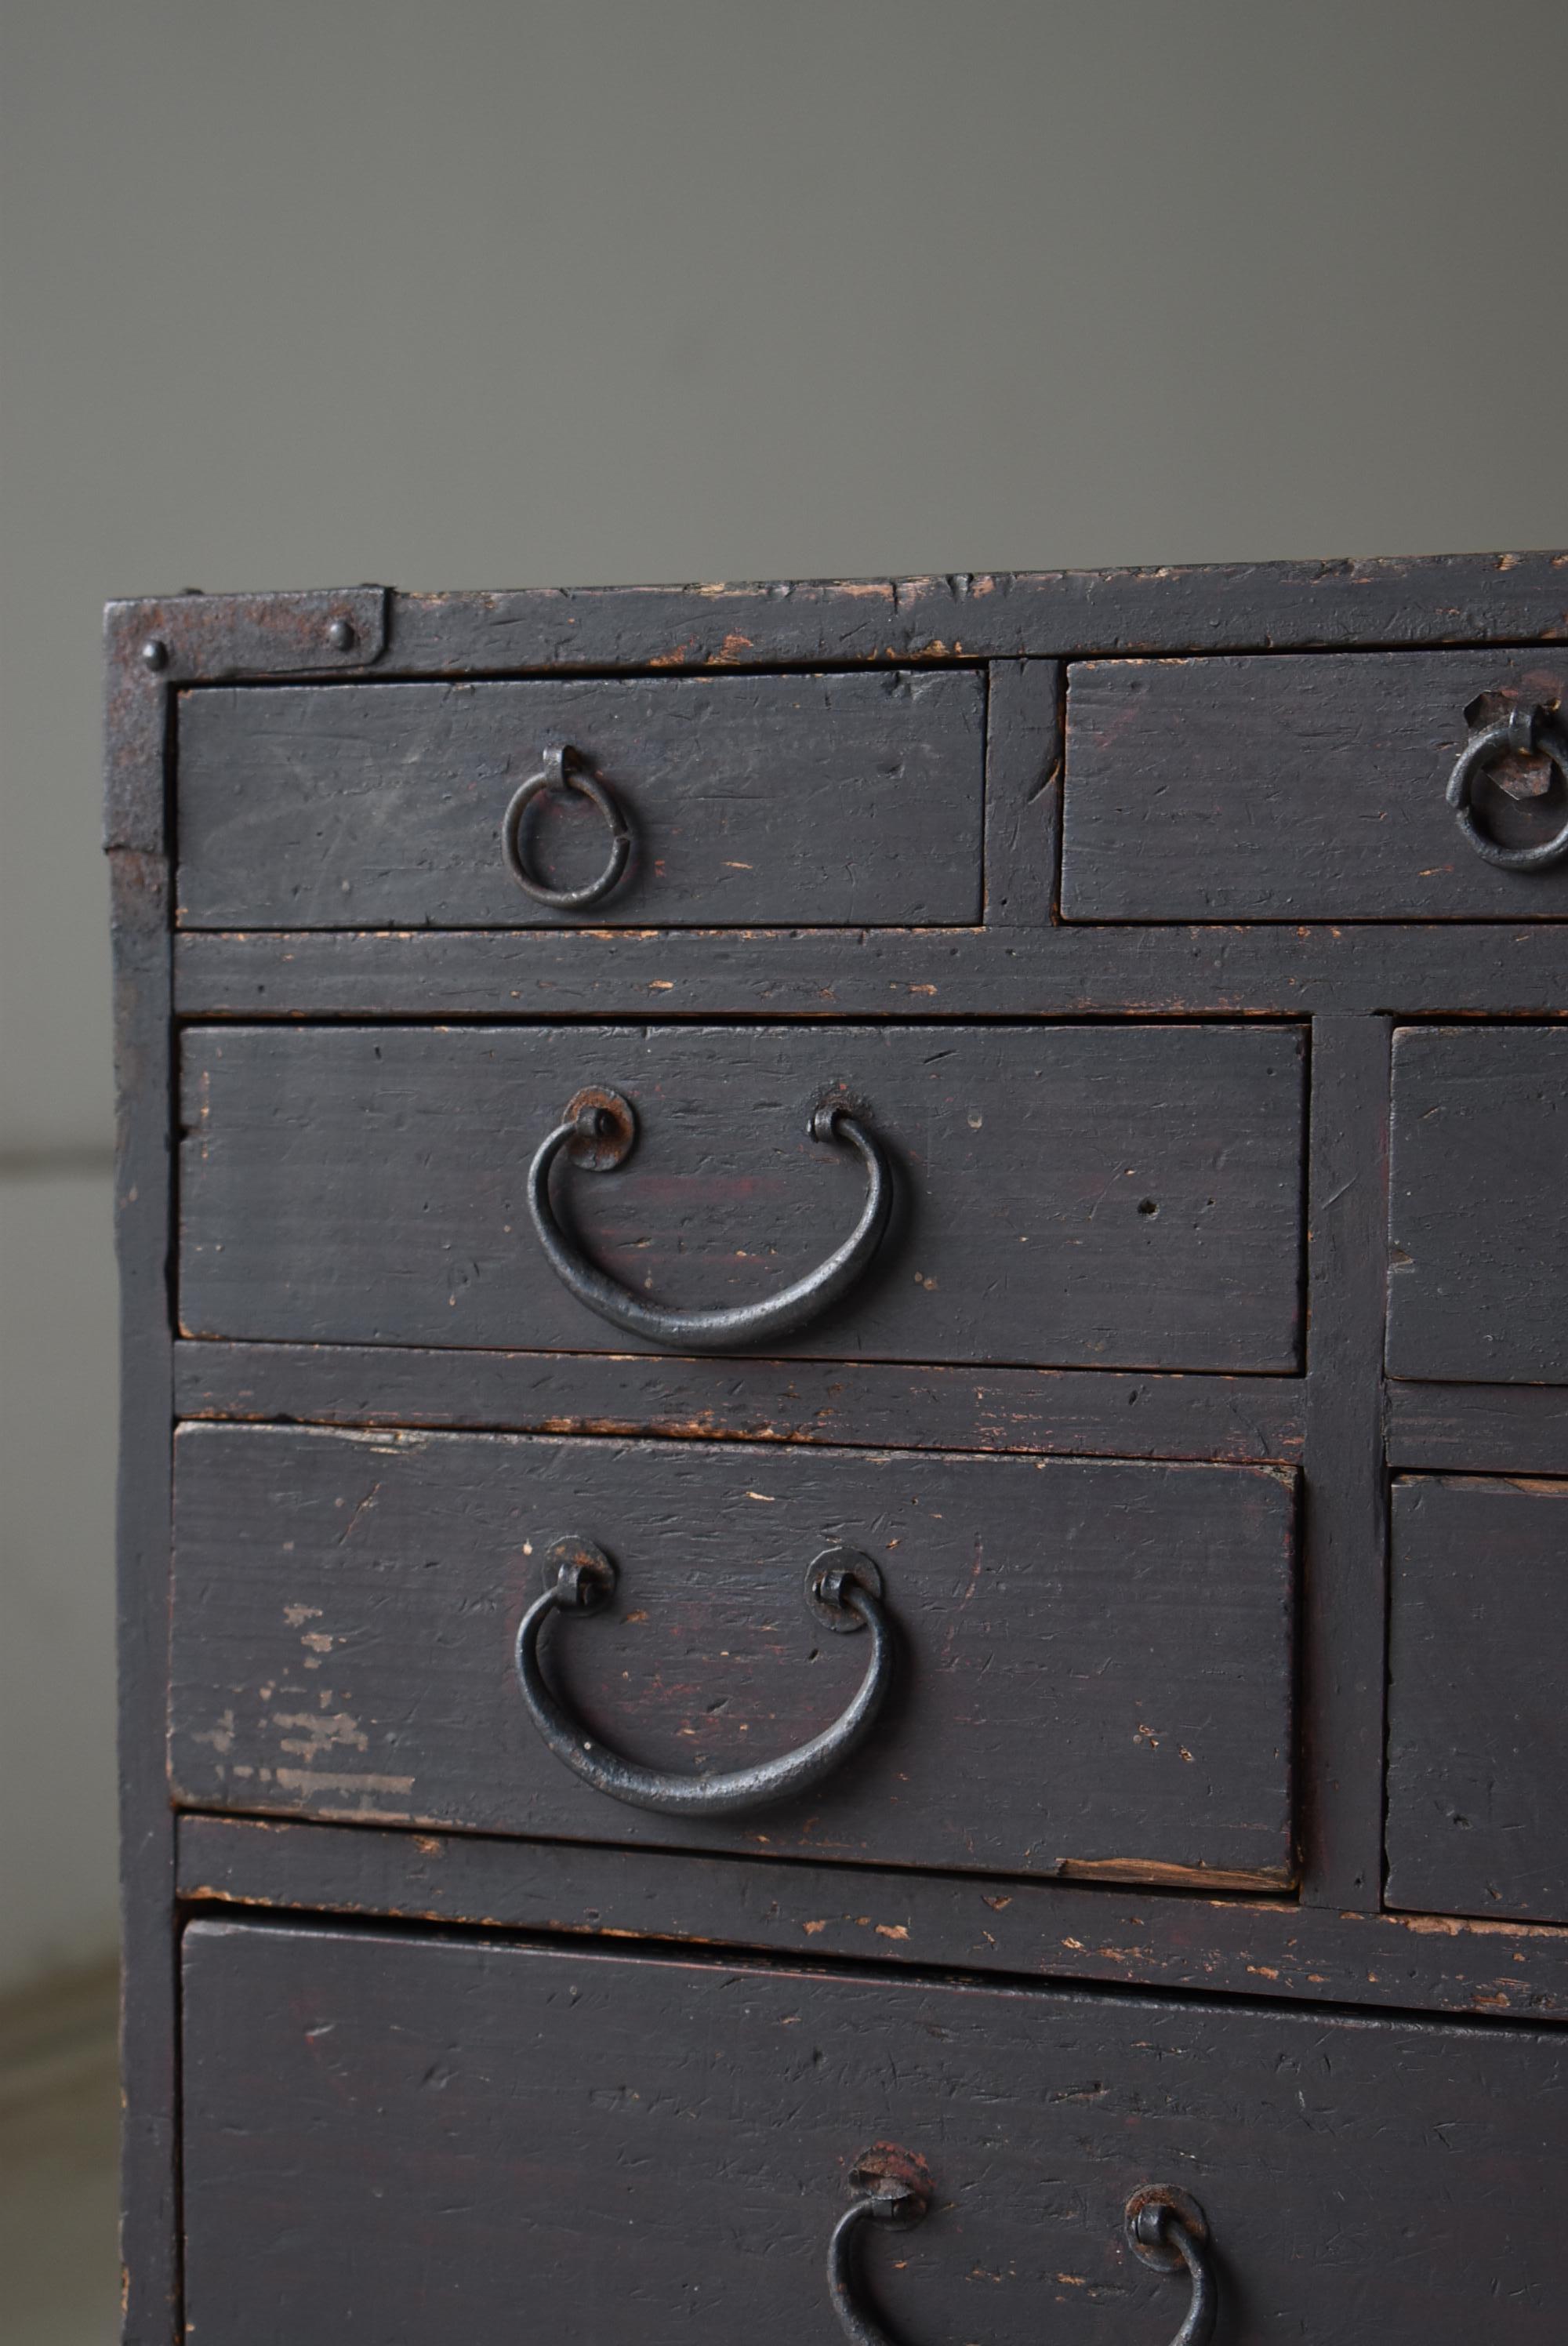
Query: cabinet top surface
x=1261, y=605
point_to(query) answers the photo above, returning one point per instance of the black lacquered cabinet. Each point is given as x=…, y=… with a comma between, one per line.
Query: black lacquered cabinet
x=619, y=2144
x=844, y=1433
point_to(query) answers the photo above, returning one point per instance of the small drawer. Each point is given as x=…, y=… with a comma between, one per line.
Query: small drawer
x=746, y=801
x=1478, y=1216
x=1082, y=1666
x=1311, y=788
x=1478, y=1736
x=419, y=2140
x=1101, y=1196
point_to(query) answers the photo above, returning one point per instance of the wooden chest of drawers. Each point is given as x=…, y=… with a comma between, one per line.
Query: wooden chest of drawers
x=845, y=1434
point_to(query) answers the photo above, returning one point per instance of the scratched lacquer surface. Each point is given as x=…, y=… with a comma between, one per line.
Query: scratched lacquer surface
x=1067, y=1196
x=415, y=2142
x=1478, y=1211
x=1093, y=1673
x=751, y=799
x=1478, y=1734
x=1301, y=789
x=1068, y=884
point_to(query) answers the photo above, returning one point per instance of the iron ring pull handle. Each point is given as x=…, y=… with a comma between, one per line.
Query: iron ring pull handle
x=1528, y=733
x=1163, y=2228
x=565, y=768
x=604, y=1126
x=842, y=1588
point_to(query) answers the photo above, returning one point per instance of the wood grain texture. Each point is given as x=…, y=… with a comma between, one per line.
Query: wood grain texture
x=1466, y=598
x=1477, y=1218
x=210, y=636
x=1022, y=793
x=1165, y=1933
x=1214, y=607
x=752, y=800
x=1151, y=1937
x=1481, y=1429
x=410, y=2140
x=1067, y=1196
x=1094, y=1659
x=875, y=1404
x=817, y=974
x=1295, y=789
x=1478, y=1744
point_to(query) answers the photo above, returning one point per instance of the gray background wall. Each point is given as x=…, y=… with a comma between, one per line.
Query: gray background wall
x=477, y=294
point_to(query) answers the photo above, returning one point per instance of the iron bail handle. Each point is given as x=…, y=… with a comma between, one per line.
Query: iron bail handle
x=565, y=768
x=1163, y=2226
x=843, y=1589
x=601, y=1128
x=1528, y=733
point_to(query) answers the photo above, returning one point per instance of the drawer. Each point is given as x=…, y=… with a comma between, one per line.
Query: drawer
x=1478, y=1285
x=749, y=800
x=413, y=2141
x=1097, y=1196
x=1478, y=1740
x=1305, y=788
x=1087, y=1673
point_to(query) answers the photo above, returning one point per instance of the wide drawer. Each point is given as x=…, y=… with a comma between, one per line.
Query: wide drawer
x=1090, y=1669
x=1478, y=1734
x=1477, y=1218
x=1096, y=1195
x=411, y=2141
x=749, y=801
x=1303, y=788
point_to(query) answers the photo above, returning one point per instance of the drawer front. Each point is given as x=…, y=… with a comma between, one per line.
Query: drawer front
x=1102, y=1197
x=1091, y=1671
x=1303, y=789
x=1477, y=1286
x=412, y=2142
x=751, y=800
x=1478, y=1738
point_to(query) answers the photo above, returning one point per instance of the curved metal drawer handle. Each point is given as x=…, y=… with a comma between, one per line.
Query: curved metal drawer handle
x=843, y=1589
x=1528, y=733
x=602, y=1127
x=565, y=768
x=890, y=2187
x=1163, y=2228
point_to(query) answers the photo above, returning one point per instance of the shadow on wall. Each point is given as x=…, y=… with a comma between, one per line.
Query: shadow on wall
x=58, y=1402
x=59, y=2129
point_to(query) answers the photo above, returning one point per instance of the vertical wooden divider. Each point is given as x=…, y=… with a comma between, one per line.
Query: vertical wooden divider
x=1343, y=1621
